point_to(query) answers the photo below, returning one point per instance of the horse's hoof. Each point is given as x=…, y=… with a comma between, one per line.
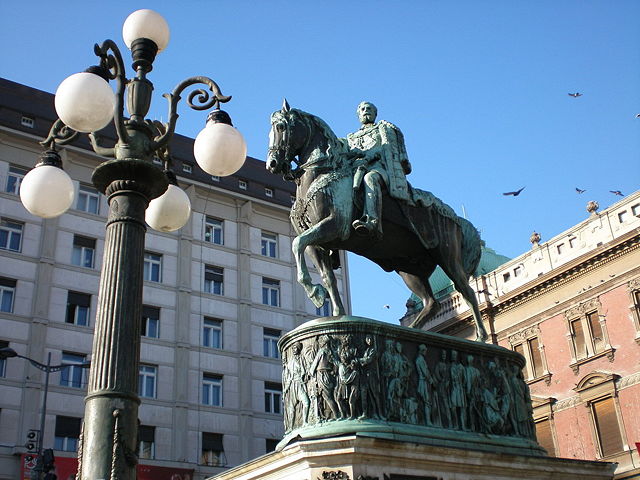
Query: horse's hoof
x=318, y=295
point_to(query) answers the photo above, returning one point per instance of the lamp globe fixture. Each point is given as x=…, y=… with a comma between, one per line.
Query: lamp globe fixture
x=219, y=149
x=47, y=191
x=148, y=24
x=85, y=102
x=170, y=211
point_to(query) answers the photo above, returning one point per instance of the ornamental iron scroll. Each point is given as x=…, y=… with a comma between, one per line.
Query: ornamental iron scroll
x=372, y=377
x=335, y=475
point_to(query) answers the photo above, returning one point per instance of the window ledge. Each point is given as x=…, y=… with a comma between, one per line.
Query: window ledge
x=546, y=377
x=609, y=353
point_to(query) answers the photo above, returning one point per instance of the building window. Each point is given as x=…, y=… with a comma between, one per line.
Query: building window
x=587, y=332
x=598, y=391
x=78, y=308
x=152, y=267
x=147, y=381
x=212, y=389
x=544, y=435
x=506, y=277
x=7, y=292
x=272, y=397
x=622, y=216
x=270, y=444
x=268, y=192
x=187, y=168
x=73, y=375
x=211, y=333
x=88, y=200
x=634, y=292
x=242, y=184
x=560, y=248
x=214, y=280
x=324, y=310
x=270, y=292
x=67, y=433
x=14, y=179
x=270, y=342
x=150, y=326
x=528, y=344
x=517, y=271
x=607, y=427
x=214, y=231
x=11, y=235
x=3, y=361
x=635, y=210
x=146, y=442
x=212, y=450
x=83, y=252
x=269, y=244
x=573, y=242
x=27, y=122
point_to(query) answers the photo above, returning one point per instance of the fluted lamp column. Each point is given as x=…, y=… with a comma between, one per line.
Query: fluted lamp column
x=131, y=181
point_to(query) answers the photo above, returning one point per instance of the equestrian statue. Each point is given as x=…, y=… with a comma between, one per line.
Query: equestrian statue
x=352, y=194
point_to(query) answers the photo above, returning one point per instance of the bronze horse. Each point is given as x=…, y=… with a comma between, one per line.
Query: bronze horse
x=416, y=238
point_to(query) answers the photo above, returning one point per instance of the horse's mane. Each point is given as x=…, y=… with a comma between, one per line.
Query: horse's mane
x=337, y=146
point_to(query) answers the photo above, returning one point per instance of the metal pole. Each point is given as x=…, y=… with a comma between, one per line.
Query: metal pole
x=43, y=415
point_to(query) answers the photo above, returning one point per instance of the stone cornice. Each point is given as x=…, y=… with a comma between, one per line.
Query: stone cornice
x=569, y=272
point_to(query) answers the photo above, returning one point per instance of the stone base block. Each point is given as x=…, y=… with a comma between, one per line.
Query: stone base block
x=359, y=457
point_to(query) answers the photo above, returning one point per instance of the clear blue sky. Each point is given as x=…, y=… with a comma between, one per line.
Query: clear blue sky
x=478, y=88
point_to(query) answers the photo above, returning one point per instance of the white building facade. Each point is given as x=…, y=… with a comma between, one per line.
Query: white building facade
x=217, y=295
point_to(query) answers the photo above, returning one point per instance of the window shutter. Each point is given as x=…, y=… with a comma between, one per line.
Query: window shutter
x=212, y=441
x=536, y=357
x=606, y=420
x=79, y=299
x=146, y=433
x=67, y=426
x=545, y=436
x=84, y=241
x=596, y=331
x=578, y=338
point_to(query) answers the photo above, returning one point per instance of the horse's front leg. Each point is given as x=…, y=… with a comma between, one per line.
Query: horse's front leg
x=322, y=260
x=321, y=232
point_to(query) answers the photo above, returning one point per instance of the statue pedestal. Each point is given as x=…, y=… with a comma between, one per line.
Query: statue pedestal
x=366, y=400
x=358, y=457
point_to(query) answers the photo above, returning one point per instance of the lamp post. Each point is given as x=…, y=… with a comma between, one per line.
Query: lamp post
x=85, y=103
x=47, y=369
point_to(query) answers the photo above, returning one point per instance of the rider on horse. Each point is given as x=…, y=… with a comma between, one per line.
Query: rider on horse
x=383, y=161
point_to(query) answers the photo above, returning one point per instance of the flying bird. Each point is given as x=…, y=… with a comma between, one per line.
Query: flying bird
x=637, y=115
x=579, y=190
x=486, y=292
x=617, y=192
x=515, y=194
x=575, y=95
x=386, y=306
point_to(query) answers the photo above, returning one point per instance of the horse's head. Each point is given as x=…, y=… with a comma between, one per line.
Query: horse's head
x=287, y=136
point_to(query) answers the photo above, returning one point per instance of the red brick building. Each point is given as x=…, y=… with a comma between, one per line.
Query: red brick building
x=571, y=306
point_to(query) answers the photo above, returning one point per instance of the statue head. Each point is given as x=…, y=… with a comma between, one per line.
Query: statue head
x=422, y=349
x=297, y=348
x=454, y=356
x=367, y=113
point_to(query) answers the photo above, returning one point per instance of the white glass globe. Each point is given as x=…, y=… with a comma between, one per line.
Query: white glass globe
x=85, y=102
x=47, y=191
x=170, y=211
x=220, y=149
x=146, y=23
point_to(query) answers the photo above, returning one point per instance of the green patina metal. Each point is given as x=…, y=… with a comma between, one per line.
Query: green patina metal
x=352, y=194
x=355, y=376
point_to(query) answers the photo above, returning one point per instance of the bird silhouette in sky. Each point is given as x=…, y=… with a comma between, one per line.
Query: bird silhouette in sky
x=637, y=115
x=617, y=192
x=575, y=95
x=386, y=306
x=515, y=194
x=580, y=190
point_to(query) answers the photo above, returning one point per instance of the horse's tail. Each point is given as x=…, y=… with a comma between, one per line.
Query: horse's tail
x=471, y=246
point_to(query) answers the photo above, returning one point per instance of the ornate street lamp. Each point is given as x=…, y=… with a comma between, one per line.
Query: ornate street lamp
x=130, y=180
x=47, y=368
